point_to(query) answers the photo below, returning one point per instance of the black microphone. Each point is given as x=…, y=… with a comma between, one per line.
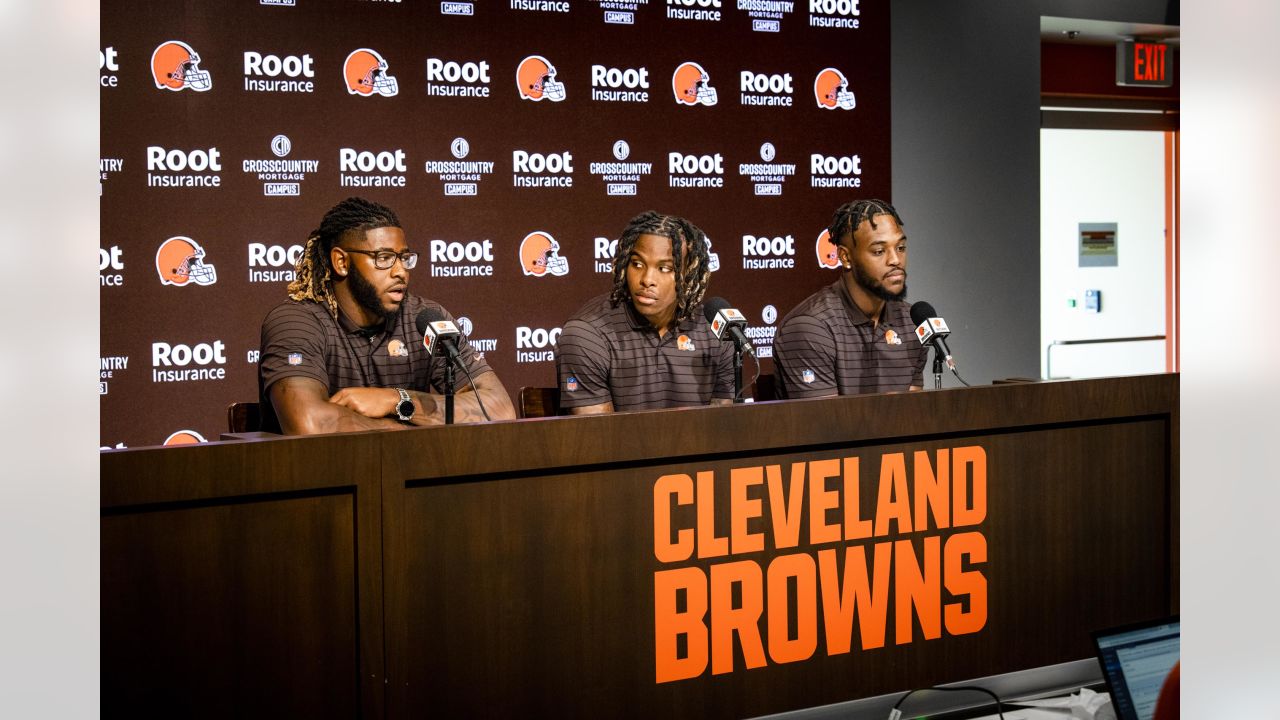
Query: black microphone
x=439, y=334
x=932, y=330
x=727, y=323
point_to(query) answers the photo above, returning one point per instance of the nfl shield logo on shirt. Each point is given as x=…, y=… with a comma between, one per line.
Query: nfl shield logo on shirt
x=807, y=376
x=295, y=358
x=571, y=384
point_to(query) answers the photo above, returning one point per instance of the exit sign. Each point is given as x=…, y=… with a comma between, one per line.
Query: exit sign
x=1144, y=64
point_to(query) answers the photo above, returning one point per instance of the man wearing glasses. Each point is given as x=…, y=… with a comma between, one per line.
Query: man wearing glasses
x=344, y=353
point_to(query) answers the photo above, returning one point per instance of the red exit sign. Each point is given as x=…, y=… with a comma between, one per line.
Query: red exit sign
x=1145, y=64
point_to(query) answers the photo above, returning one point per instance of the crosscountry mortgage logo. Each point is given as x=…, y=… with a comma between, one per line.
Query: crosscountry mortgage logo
x=366, y=74
x=762, y=336
x=768, y=176
x=480, y=345
x=828, y=256
x=280, y=177
x=691, y=85
x=460, y=177
x=831, y=90
x=536, y=80
x=540, y=256
x=621, y=178
x=767, y=15
x=176, y=66
x=180, y=261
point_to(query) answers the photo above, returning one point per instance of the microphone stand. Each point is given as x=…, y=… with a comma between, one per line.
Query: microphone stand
x=937, y=367
x=737, y=371
x=448, y=389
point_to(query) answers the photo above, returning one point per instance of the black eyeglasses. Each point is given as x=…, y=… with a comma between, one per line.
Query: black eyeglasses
x=384, y=259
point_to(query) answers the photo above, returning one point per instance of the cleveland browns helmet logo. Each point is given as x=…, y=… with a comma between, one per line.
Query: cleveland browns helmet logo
x=180, y=260
x=184, y=437
x=176, y=66
x=366, y=74
x=692, y=85
x=540, y=255
x=713, y=259
x=536, y=80
x=831, y=89
x=828, y=252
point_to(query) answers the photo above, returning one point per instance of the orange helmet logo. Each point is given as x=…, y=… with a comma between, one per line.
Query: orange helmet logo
x=828, y=252
x=366, y=74
x=184, y=437
x=831, y=89
x=180, y=260
x=176, y=66
x=692, y=85
x=540, y=255
x=536, y=80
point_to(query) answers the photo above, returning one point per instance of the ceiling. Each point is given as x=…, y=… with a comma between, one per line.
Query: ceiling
x=1100, y=32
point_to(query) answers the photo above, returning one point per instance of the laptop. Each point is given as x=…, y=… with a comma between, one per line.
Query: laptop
x=1135, y=661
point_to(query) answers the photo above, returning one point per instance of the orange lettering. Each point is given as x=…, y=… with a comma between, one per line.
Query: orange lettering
x=1137, y=61
x=782, y=648
x=741, y=509
x=973, y=583
x=855, y=527
x=856, y=595
x=786, y=514
x=727, y=620
x=821, y=500
x=708, y=544
x=669, y=624
x=917, y=588
x=667, y=486
x=965, y=513
x=931, y=491
x=893, y=503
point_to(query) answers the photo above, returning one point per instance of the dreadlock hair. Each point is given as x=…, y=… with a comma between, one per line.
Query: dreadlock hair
x=688, y=249
x=313, y=274
x=850, y=215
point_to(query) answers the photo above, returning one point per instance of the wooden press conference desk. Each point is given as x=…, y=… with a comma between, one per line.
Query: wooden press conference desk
x=708, y=562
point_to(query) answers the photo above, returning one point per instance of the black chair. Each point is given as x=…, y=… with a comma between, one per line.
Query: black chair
x=538, y=402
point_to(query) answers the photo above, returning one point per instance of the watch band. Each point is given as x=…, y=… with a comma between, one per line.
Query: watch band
x=404, y=408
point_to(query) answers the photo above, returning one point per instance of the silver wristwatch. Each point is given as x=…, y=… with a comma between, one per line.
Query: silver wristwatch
x=404, y=408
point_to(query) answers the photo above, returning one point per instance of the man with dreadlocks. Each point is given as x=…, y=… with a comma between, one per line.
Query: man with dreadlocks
x=855, y=336
x=646, y=344
x=344, y=352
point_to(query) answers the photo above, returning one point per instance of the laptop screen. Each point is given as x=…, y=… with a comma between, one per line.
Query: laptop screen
x=1135, y=661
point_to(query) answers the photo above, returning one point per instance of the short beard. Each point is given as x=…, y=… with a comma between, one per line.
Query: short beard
x=875, y=287
x=366, y=295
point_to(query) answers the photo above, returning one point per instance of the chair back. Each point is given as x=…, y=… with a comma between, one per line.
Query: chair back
x=244, y=417
x=539, y=402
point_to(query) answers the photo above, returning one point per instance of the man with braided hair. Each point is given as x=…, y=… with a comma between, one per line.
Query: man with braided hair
x=855, y=336
x=646, y=344
x=344, y=352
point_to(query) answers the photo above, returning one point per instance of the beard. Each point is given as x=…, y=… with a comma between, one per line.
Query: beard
x=366, y=295
x=874, y=286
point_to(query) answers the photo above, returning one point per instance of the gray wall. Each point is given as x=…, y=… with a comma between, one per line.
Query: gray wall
x=966, y=165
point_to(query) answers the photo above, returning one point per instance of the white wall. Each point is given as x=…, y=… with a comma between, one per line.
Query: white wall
x=1102, y=176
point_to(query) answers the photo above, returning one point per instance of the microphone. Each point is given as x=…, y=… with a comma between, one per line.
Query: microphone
x=727, y=323
x=932, y=330
x=439, y=334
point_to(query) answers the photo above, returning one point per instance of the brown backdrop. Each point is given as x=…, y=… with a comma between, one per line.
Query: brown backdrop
x=137, y=310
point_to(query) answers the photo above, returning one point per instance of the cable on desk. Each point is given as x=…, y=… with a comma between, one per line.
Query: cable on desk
x=896, y=714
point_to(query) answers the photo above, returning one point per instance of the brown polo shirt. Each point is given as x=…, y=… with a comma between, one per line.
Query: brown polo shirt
x=827, y=346
x=301, y=339
x=612, y=354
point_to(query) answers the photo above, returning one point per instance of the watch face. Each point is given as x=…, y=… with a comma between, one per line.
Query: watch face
x=405, y=408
